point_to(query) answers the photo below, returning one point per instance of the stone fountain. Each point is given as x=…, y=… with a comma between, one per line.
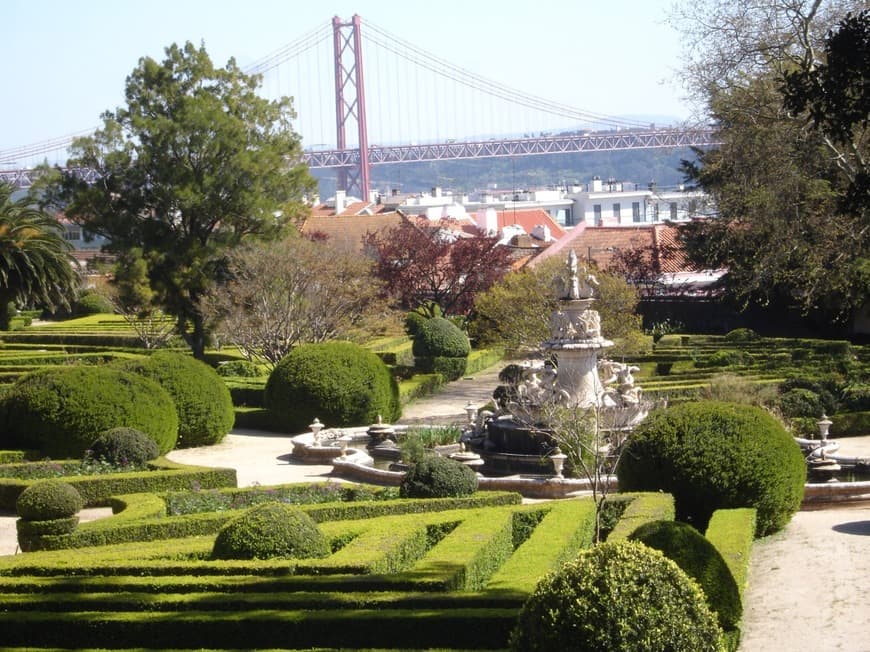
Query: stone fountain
x=515, y=438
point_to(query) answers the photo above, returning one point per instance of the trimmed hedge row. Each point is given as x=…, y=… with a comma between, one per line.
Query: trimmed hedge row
x=567, y=527
x=96, y=489
x=198, y=603
x=644, y=508
x=124, y=530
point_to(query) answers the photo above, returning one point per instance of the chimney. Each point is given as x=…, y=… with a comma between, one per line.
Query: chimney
x=340, y=201
x=595, y=186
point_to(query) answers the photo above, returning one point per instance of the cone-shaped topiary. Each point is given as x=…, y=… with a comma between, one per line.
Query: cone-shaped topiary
x=434, y=476
x=340, y=383
x=620, y=597
x=202, y=400
x=49, y=500
x=711, y=456
x=124, y=447
x=270, y=530
x=700, y=560
x=61, y=411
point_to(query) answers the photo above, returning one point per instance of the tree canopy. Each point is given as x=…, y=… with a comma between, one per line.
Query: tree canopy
x=787, y=181
x=192, y=165
x=422, y=266
x=36, y=263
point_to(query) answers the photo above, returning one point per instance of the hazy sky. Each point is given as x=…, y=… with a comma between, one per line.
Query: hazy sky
x=65, y=61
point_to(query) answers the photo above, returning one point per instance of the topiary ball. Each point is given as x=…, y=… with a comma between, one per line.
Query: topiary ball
x=124, y=447
x=620, y=597
x=270, y=530
x=202, y=401
x=62, y=410
x=440, y=338
x=711, y=456
x=434, y=476
x=700, y=560
x=49, y=500
x=340, y=383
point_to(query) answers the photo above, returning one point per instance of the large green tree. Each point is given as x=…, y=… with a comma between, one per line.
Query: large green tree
x=36, y=263
x=192, y=165
x=789, y=229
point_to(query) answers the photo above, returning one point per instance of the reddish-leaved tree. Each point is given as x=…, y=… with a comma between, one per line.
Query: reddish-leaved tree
x=422, y=265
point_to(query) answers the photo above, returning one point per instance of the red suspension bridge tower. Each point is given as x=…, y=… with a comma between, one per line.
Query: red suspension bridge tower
x=350, y=104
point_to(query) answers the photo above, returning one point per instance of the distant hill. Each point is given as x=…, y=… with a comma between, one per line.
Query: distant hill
x=636, y=166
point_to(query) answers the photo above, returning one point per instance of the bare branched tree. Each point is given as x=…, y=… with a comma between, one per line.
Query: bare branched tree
x=284, y=293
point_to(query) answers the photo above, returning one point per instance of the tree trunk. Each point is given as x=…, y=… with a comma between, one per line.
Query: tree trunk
x=197, y=337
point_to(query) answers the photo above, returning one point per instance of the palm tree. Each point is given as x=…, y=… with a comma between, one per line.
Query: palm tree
x=36, y=265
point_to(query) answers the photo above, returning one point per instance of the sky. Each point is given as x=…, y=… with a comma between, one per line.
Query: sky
x=64, y=62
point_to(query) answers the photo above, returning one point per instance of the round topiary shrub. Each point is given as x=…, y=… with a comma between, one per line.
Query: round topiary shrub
x=742, y=335
x=124, y=447
x=434, y=476
x=49, y=500
x=61, y=411
x=710, y=456
x=700, y=560
x=440, y=338
x=202, y=401
x=620, y=597
x=92, y=303
x=270, y=530
x=340, y=383
x=800, y=402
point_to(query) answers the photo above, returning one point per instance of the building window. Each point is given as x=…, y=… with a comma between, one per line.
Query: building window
x=72, y=233
x=673, y=210
x=616, y=209
x=655, y=212
x=596, y=211
x=635, y=211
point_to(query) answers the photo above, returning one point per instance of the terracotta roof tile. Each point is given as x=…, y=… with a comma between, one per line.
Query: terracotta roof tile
x=348, y=231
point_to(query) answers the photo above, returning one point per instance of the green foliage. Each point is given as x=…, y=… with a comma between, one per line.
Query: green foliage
x=268, y=531
x=202, y=401
x=92, y=303
x=716, y=455
x=800, y=402
x=449, y=368
x=221, y=163
x=36, y=265
x=434, y=476
x=241, y=369
x=732, y=531
x=340, y=383
x=439, y=337
x=124, y=447
x=601, y=601
x=48, y=500
x=700, y=560
x=741, y=335
x=723, y=358
x=851, y=424
x=61, y=411
x=515, y=312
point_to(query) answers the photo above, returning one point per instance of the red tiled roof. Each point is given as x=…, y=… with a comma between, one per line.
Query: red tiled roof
x=353, y=208
x=529, y=218
x=348, y=231
x=598, y=243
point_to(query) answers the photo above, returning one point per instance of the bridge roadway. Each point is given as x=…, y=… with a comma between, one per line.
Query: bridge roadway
x=558, y=144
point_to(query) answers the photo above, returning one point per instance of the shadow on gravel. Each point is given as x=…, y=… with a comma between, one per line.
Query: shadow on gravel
x=855, y=527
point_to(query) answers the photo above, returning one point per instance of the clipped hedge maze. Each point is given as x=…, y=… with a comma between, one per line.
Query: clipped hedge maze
x=454, y=578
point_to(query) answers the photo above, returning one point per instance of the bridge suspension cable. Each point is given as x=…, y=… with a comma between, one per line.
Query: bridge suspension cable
x=410, y=52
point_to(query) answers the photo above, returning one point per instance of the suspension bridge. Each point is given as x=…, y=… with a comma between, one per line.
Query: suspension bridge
x=406, y=105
